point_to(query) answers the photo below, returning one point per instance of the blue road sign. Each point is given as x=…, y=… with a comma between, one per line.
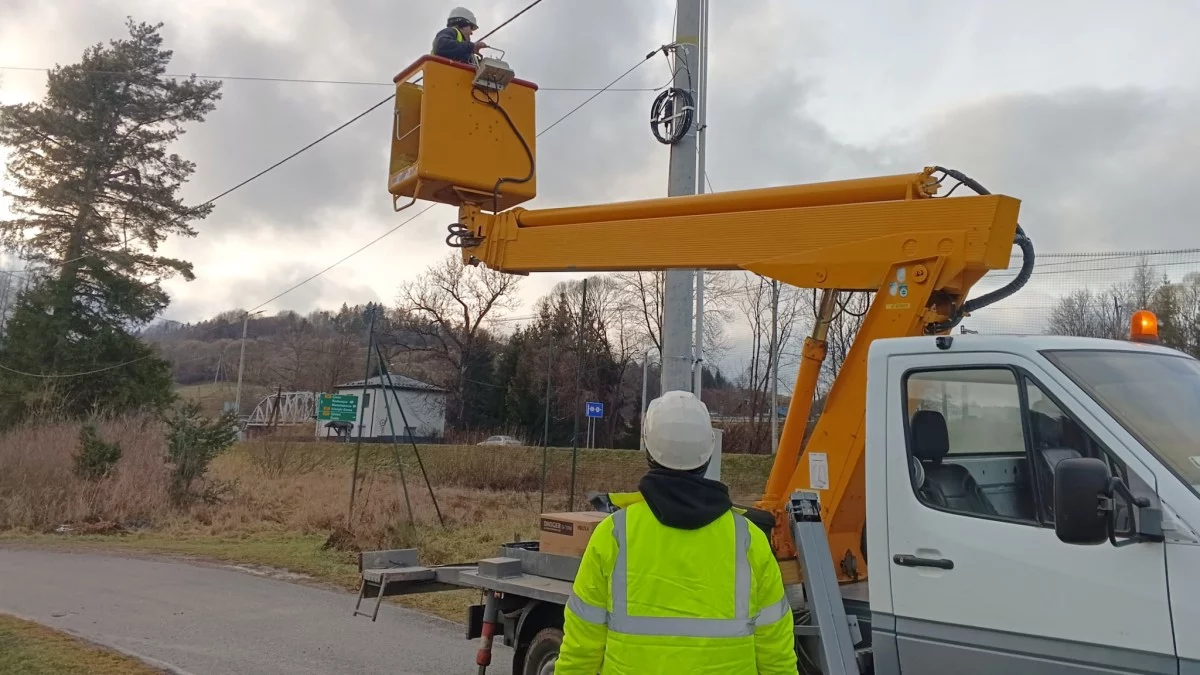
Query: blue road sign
x=595, y=409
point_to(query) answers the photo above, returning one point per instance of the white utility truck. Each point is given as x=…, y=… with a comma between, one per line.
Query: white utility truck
x=1032, y=507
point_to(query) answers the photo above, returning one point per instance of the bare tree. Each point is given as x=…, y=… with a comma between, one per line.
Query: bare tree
x=446, y=311
x=621, y=338
x=753, y=299
x=1106, y=314
x=640, y=296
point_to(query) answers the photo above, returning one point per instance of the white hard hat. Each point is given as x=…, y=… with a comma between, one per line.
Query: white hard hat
x=464, y=14
x=678, y=431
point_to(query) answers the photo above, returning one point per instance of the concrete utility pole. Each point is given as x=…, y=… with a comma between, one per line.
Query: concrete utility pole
x=242, y=363
x=677, y=355
x=680, y=361
x=701, y=184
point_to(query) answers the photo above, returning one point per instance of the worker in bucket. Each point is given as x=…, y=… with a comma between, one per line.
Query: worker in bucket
x=454, y=41
x=676, y=580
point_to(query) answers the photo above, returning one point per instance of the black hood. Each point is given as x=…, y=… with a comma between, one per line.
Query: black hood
x=683, y=499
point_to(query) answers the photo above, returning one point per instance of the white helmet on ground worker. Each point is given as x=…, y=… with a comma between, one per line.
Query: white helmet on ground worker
x=462, y=14
x=678, y=431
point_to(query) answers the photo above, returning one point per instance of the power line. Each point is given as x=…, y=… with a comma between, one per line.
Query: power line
x=348, y=256
x=510, y=19
x=343, y=126
x=66, y=375
x=302, y=80
x=427, y=208
x=598, y=92
x=280, y=163
x=267, y=170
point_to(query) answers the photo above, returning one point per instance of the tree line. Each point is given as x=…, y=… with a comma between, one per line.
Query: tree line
x=509, y=369
x=1107, y=313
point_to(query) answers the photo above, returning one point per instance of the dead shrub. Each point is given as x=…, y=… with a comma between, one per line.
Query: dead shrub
x=278, y=458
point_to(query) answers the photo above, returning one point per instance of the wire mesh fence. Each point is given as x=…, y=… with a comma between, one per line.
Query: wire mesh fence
x=1093, y=294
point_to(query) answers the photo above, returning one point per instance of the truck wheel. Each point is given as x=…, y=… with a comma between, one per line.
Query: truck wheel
x=543, y=652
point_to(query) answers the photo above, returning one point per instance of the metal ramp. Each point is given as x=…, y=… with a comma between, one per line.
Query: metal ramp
x=836, y=632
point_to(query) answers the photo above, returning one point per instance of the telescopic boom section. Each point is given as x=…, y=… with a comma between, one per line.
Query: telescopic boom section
x=920, y=256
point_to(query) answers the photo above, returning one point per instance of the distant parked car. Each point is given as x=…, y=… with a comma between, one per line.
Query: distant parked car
x=500, y=440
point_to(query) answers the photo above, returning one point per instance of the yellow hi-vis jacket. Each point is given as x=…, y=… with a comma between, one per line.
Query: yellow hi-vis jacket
x=655, y=599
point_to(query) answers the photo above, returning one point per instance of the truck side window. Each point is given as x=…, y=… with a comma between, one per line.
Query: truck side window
x=967, y=442
x=1055, y=436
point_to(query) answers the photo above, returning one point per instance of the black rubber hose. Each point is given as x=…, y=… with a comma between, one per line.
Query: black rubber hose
x=528, y=153
x=1021, y=240
x=524, y=144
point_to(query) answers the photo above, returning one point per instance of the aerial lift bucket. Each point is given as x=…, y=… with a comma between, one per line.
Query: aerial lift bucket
x=452, y=141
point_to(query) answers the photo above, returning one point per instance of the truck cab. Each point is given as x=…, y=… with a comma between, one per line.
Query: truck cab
x=1033, y=505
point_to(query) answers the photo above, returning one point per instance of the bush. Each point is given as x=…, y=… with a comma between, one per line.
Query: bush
x=192, y=443
x=95, y=459
x=279, y=458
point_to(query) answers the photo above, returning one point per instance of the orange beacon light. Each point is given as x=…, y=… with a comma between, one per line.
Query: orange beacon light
x=1143, y=327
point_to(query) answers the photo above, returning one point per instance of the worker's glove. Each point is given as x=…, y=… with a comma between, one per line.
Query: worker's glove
x=601, y=502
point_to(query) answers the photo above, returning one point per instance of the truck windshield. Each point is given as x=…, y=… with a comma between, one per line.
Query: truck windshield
x=1156, y=397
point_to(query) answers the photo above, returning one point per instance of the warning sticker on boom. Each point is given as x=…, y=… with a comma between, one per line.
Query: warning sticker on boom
x=818, y=471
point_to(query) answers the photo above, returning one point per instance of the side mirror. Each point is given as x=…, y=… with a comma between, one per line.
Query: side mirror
x=1081, y=491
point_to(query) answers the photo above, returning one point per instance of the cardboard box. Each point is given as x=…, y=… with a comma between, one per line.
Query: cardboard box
x=568, y=533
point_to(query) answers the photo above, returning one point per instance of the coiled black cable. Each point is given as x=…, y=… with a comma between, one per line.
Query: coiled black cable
x=1020, y=239
x=671, y=115
x=495, y=103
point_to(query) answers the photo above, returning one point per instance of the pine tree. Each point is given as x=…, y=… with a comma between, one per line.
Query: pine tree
x=96, y=194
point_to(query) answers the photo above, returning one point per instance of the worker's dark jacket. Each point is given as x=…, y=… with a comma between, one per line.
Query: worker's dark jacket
x=449, y=43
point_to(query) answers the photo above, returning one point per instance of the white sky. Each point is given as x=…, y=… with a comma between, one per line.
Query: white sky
x=1089, y=112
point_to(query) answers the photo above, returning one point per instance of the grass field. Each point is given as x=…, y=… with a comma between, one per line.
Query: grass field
x=212, y=396
x=286, y=504
x=30, y=649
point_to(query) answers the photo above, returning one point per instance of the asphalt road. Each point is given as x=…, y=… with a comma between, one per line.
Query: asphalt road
x=200, y=619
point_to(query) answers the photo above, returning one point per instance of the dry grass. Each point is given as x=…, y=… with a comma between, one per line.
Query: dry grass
x=287, y=502
x=38, y=490
x=30, y=649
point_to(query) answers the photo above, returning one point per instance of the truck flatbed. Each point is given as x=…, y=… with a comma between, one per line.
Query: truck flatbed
x=542, y=576
x=524, y=592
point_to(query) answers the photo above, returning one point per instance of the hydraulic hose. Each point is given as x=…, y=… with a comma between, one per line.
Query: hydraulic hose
x=1021, y=240
x=495, y=103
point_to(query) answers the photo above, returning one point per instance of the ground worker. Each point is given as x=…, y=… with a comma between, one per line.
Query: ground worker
x=454, y=41
x=676, y=580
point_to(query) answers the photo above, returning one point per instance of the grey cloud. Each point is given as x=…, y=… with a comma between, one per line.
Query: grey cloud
x=192, y=303
x=1095, y=169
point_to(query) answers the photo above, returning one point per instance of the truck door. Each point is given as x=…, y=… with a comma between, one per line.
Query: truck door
x=979, y=582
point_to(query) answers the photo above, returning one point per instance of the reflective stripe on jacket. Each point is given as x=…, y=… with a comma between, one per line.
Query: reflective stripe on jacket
x=655, y=599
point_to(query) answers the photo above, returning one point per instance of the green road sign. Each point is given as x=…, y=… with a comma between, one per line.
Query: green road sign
x=338, y=407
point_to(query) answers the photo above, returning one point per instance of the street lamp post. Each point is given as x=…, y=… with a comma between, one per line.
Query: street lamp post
x=237, y=403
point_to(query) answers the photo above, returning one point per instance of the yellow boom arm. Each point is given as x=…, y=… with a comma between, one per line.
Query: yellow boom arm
x=919, y=255
x=891, y=235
